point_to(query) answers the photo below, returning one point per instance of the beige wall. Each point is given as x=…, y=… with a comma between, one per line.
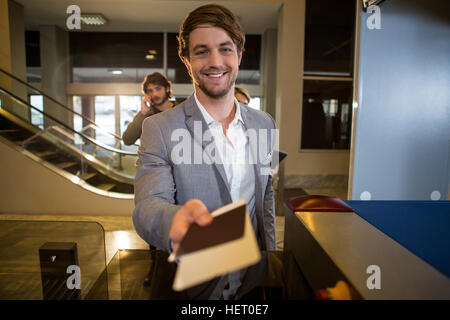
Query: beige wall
x=18, y=58
x=28, y=187
x=5, y=46
x=55, y=64
x=269, y=70
x=12, y=54
x=17, y=40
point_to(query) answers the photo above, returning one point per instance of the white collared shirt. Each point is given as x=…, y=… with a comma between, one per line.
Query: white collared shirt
x=240, y=175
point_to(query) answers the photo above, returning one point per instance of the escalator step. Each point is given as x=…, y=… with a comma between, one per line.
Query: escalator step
x=88, y=175
x=44, y=154
x=64, y=165
x=106, y=186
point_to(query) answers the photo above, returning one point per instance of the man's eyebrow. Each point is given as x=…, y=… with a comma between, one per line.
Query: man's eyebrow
x=226, y=43
x=204, y=46
x=200, y=46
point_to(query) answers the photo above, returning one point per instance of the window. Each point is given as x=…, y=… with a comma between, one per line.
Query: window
x=37, y=118
x=115, y=56
x=329, y=37
x=250, y=68
x=129, y=107
x=105, y=118
x=77, y=120
x=328, y=74
x=33, y=56
x=176, y=70
x=326, y=114
x=255, y=103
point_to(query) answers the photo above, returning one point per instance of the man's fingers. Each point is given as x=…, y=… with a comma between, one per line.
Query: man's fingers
x=180, y=225
x=192, y=211
x=198, y=212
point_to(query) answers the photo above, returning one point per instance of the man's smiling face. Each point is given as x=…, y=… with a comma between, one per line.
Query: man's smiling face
x=213, y=60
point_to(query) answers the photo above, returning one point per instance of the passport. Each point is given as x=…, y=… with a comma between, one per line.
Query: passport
x=227, y=244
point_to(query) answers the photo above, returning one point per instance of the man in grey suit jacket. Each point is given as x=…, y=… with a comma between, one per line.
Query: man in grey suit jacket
x=183, y=173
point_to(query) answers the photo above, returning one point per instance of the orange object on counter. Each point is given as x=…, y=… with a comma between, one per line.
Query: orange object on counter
x=341, y=291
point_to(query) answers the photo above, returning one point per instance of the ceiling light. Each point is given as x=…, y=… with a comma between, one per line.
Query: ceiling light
x=116, y=71
x=150, y=57
x=152, y=51
x=93, y=19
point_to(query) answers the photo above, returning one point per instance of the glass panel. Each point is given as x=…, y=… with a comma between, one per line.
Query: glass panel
x=85, y=160
x=34, y=74
x=115, y=56
x=105, y=119
x=101, y=167
x=129, y=106
x=77, y=120
x=33, y=56
x=37, y=260
x=37, y=118
x=250, y=70
x=109, y=75
x=176, y=70
x=326, y=116
x=329, y=39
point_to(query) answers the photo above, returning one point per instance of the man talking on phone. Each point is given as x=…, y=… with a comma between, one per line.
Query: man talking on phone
x=157, y=91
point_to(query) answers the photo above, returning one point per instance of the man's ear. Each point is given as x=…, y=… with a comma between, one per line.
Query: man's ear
x=240, y=58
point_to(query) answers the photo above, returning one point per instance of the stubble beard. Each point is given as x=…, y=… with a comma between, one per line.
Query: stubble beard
x=219, y=94
x=164, y=99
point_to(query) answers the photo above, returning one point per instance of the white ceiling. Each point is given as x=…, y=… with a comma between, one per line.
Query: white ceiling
x=147, y=15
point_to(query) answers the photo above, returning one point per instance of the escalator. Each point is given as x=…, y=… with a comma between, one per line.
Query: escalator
x=77, y=155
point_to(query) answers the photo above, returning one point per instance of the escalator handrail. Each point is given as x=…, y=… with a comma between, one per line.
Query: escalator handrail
x=58, y=103
x=94, y=141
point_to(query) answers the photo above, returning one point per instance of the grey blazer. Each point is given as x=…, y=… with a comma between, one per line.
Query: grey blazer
x=163, y=184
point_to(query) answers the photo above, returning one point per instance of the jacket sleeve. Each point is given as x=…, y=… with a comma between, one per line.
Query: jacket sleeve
x=134, y=129
x=154, y=188
x=269, y=205
x=269, y=216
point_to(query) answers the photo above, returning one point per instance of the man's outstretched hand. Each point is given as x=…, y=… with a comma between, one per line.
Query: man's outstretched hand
x=192, y=211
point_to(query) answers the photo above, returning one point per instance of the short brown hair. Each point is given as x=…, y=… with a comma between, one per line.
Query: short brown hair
x=210, y=14
x=156, y=78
